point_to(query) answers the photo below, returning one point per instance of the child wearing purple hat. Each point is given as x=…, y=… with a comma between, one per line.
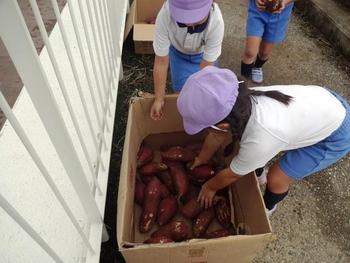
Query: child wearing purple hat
x=310, y=124
x=264, y=30
x=189, y=36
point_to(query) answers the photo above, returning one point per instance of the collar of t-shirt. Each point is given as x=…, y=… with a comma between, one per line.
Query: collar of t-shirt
x=195, y=29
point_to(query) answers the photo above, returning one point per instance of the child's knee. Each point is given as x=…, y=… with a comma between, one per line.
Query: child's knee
x=249, y=54
x=277, y=180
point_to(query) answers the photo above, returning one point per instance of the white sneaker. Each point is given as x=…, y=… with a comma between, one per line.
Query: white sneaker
x=262, y=179
x=257, y=75
x=270, y=212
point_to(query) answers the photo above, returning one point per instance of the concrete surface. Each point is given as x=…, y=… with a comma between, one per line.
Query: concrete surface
x=10, y=82
x=332, y=18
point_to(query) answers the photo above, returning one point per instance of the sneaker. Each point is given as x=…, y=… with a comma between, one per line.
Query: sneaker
x=257, y=75
x=270, y=212
x=262, y=179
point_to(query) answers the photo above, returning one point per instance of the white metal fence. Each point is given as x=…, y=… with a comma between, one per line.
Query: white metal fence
x=56, y=143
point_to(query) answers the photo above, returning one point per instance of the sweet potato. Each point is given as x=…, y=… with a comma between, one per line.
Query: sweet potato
x=202, y=222
x=167, y=210
x=179, y=179
x=191, y=209
x=273, y=5
x=177, y=230
x=200, y=174
x=152, y=168
x=150, y=205
x=164, y=191
x=178, y=153
x=219, y=233
x=165, y=178
x=147, y=178
x=202, y=171
x=192, y=192
x=159, y=239
x=139, y=192
x=144, y=155
x=223, y=213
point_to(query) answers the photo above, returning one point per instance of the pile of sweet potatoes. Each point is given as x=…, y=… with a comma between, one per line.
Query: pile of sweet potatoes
x=167, y=190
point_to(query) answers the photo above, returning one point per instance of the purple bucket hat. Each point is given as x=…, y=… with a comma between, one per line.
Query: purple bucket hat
x=207, y=97
x=189, y=11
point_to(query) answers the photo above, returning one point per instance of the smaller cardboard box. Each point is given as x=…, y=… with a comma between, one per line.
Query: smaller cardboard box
x=140, y=12
x=246, y=199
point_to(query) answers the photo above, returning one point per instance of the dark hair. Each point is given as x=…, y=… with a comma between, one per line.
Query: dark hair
x=242, y=109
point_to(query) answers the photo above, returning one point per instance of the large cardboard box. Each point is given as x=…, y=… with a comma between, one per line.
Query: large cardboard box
x=140, y=12
x=246, y=199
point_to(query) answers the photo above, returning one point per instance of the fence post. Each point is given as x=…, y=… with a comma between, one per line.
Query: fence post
x=27, y=63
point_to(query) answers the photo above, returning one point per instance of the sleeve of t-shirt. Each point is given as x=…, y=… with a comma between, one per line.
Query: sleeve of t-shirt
x=214, y=38
x=255, y=151
x=161, y=41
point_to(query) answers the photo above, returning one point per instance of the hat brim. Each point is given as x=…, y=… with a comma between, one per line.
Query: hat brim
x=189, y=16
x=192, y=128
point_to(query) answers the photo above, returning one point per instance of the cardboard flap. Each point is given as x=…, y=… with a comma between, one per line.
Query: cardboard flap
x=130, y=20
x=144, y=32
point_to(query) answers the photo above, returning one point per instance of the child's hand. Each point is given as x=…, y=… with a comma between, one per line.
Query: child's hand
x=197, y=162
x=206, y=196
x=260, y=5
x=157, y=109
x=283, y=5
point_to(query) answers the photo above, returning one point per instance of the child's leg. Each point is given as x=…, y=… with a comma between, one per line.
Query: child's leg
x=251, y=50
x=265, y=51
x=278, y=183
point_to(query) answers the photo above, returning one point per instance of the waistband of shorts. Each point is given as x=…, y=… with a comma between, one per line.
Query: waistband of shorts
x=184, y=54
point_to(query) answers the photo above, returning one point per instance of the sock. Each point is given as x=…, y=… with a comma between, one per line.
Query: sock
x=259, y=171
x=271, y=199
x=246, y=69
x=259, y=62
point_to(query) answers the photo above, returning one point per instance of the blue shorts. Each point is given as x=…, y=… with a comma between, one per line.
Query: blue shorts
x=182, y=66
x=270, y=27
x=302, y=162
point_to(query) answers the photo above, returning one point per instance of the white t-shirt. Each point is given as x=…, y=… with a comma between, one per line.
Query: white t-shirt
x=312, y=115
x=169, y=33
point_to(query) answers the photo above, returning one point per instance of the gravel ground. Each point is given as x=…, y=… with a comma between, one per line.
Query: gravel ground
x=313, y=223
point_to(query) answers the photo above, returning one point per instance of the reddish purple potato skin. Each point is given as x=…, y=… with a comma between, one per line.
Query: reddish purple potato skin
x=202, y=222
x=177, y=230
x=150, y=205
x=167, y=210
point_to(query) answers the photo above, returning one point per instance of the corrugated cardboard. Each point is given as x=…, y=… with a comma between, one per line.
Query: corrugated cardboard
x=143, y=35
x=246, y=199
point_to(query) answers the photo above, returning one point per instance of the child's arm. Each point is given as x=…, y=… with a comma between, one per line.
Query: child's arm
x=213, y=141
x=160, y=71
x=205, y=63
x=161, y=46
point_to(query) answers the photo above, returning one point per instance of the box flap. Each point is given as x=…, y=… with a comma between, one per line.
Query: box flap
x=130, y=20
x=144, y=32
x=147, y=9
x=249, y=205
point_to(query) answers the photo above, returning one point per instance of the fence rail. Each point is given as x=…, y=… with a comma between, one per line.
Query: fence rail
x=55, y=146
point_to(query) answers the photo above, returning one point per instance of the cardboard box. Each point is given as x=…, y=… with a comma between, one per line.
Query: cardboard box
x=246, y=199
x=140, y=12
